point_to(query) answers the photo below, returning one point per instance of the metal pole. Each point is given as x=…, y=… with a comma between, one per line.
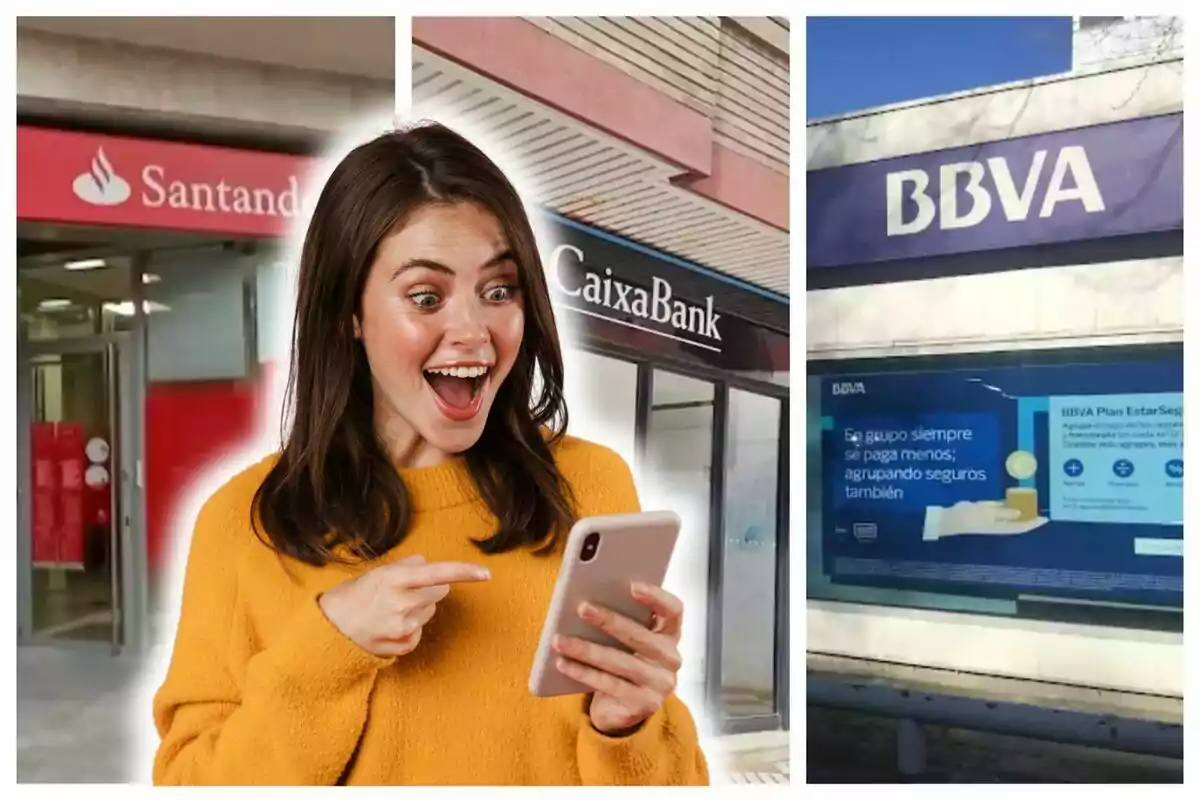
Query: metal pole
x=910, y=748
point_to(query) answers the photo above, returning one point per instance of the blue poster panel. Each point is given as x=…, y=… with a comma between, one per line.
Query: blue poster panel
x=1058, y=480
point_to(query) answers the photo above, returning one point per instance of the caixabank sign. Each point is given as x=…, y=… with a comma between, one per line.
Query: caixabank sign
x=598, y=287
x=625, y=294
x=1117, y=179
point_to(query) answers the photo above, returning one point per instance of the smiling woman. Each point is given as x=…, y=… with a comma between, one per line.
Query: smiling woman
x=453, y=302
x=423, y=323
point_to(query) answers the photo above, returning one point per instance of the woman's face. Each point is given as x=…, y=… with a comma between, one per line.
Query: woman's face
x=441, y=322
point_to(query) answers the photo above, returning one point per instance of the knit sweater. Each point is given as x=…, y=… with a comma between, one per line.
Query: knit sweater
x=263, y=689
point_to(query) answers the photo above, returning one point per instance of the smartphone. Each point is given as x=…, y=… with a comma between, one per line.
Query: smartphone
x=604, y=556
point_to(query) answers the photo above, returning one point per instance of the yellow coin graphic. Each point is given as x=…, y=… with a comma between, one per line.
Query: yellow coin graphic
x=1021, y=464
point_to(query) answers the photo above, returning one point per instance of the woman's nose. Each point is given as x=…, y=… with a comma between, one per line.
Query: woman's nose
x=466, y=325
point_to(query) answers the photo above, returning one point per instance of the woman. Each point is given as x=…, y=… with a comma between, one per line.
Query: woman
x=364, y=607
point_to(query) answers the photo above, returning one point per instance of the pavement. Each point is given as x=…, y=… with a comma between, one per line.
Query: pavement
x=74, y=724
x=751, y=758
x=851, y=747
x=848, y=747
x=71, y=716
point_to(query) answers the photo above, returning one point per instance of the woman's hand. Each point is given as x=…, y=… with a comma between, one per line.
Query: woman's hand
x=384, y=610
x=628, y=688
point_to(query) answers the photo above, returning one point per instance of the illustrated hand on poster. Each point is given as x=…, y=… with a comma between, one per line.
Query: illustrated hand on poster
x=1016, y=515
x=987, y=517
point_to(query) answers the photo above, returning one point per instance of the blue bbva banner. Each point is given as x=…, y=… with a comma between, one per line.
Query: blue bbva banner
x=1109, y=180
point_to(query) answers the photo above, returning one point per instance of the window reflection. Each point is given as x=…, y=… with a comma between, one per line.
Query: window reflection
x=679, y=473
x=196, y=315
x=66, y=298
x=601, y=395
x=748, y=583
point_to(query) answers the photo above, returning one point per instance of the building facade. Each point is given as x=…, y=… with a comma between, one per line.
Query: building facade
x=159, y=163
x=658, y=150
x=995, y=379
x=155, y=185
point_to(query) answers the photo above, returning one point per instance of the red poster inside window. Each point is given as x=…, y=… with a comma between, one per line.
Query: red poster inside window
x=71, y=494
x=44, y=480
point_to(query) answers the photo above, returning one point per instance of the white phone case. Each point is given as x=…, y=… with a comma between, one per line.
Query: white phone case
x=633, y=548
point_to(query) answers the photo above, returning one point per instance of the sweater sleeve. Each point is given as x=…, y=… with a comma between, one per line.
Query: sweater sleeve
x=289, y=714
x=665, y=750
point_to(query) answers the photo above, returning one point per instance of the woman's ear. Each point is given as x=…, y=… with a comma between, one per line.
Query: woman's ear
x=357, y=327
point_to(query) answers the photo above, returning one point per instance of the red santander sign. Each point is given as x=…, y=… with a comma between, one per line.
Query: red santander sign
x=91, y=179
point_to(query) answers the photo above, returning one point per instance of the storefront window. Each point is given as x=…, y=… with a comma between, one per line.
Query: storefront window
x=201, y=394
x=1034, y=484
x=601, y=396
x=273, y=311
x=678, y=475
x=68, y=298
x=196, y=315
x=70, y=413
x=748, y=584
x=762, y=354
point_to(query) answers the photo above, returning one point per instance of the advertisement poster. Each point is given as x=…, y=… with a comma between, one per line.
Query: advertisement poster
x=44, y=508
x=1061, y=480
x=70, y=446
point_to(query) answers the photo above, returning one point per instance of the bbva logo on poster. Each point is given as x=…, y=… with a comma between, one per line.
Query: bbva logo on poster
x=849, y=387
x=1071, y=179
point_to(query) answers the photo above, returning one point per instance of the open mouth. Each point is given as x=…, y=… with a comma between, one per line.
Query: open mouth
x=459, y=390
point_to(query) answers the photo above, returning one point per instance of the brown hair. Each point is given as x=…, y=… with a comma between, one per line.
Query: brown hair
x=334, y=484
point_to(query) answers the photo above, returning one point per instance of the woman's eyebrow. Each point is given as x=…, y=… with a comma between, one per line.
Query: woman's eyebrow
x=503, y=257
x=422, y=263
x=497, y=260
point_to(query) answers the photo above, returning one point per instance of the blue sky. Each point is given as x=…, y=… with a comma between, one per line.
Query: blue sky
x=861, y=62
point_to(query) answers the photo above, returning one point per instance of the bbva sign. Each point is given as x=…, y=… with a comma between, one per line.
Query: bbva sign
x=1070, y=180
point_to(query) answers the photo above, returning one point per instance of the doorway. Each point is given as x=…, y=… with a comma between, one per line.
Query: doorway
x=76, y=498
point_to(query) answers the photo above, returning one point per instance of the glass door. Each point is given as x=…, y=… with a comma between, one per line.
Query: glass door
x=751, y=575
x=75, y=499
x=678, y=474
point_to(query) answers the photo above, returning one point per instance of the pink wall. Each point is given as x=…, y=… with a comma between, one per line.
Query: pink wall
x=523, y=57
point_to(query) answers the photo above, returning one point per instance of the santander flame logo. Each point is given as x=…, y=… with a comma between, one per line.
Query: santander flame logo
x=101, y=185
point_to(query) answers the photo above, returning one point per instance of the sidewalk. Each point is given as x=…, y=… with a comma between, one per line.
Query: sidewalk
x=848, y=747
x=72, y=708
x=71, y=711
x=754, y=758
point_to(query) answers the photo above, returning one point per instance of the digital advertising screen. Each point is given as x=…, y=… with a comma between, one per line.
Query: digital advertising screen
x=1055, y=481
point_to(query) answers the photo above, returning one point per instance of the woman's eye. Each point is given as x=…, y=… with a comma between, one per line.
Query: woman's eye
x=499, y=294
x=424, y=299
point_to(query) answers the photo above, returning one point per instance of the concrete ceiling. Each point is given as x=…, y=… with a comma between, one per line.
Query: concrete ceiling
x=586, y=175
x=363, y=47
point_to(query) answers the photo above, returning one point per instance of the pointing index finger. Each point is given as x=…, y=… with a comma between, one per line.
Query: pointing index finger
x=440, y=573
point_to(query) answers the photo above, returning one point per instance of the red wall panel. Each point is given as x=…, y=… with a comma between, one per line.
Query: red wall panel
x=188, y=426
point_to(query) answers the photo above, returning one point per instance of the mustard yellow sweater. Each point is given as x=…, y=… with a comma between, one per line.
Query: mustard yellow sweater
x=263, y=689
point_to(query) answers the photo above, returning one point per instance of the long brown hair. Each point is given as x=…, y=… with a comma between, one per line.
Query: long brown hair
x=334, y=484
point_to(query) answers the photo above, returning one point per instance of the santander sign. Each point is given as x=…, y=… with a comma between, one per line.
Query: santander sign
x=71, y=177
x=101, y=185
